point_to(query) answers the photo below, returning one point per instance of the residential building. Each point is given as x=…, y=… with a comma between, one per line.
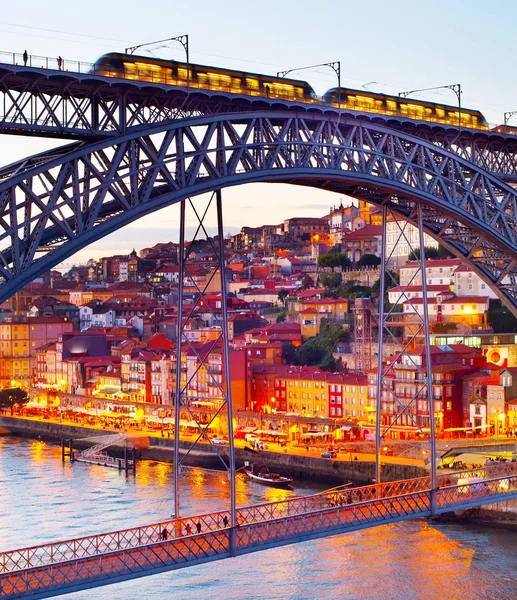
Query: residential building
x=20, y=337
x=398, y=246
x=313, y=311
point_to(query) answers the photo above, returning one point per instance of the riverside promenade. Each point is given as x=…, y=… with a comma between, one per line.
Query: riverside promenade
x=358, y=467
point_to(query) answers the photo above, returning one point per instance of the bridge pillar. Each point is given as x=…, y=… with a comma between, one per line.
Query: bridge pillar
x=200, y=366
x=404, y=399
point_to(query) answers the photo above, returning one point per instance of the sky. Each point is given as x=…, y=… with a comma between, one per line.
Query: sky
x=387, y=47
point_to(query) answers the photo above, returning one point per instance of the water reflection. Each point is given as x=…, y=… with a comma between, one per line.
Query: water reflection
x=38, y=450
x=406, y=561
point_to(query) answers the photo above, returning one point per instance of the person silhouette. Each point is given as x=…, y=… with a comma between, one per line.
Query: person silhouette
x=59, y=63
x=25, y=57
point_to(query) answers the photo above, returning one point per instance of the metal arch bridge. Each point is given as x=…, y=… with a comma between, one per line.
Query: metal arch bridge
x=78, y=104
x=59, y=202
x=71, y=565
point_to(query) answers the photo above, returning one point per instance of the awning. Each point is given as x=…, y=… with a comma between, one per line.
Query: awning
x=202, y=403
x=110, y=390
x=195, y=424
x=459, y=429
x=346, y=428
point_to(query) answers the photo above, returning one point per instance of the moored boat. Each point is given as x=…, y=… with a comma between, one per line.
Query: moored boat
x=261, y=474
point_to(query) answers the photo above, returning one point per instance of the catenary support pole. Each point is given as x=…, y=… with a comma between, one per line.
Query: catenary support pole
x=227, y=374
x=380, y=349
x=179, y=337
x=429, y=369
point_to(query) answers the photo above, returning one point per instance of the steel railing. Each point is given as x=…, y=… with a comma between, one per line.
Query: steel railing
x=72, y=549
x=164, y=554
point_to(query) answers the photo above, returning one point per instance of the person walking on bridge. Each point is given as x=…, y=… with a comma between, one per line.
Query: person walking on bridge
x=25, y=58
x=60, y=63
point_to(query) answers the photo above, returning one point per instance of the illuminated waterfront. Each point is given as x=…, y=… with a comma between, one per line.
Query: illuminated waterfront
x=43, y=500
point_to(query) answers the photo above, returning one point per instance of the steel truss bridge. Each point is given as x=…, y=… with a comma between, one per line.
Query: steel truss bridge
x=144, y=146
x=71, y=565
x=137, y=147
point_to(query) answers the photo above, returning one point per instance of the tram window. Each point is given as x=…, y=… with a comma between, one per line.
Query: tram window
x=252, y=84
x=391, y=105
x=282, y=90
x=183, y=74
x=236, y=84
x=440, y=113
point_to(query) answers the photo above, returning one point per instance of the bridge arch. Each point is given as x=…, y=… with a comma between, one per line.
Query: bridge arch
x=60, y=202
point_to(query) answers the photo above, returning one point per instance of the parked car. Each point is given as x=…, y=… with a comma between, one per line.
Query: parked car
x=258, y=445
x=329, y=454
x=218, y=441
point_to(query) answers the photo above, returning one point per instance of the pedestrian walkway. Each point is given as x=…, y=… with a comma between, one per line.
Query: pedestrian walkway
x=91, y=561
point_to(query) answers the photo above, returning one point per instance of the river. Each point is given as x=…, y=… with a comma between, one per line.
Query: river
x=42, y=500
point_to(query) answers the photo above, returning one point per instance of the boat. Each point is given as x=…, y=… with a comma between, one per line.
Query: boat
x=261, y=474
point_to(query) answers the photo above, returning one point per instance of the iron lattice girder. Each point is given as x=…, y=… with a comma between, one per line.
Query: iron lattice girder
x=84, y=106
x=61, y=203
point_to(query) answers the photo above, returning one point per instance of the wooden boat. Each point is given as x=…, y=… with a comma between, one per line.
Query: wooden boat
x=261, y=474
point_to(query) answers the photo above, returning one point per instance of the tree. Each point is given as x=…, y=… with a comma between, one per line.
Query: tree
x=430, y=253
x=12, y=397
x=333, y=259
x=318, y=350
x=369, y=260
x=288, y=353
x=307, y=282
x=309, y=353
x=353, y=289
x=282, y=296
x=280, y=318
x=500, y=318
x=331, y=280
x=390, y=279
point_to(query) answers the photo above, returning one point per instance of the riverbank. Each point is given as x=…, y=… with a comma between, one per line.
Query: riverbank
x=304, y=466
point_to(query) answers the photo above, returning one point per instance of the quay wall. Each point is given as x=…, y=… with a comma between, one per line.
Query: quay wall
x=161, y=449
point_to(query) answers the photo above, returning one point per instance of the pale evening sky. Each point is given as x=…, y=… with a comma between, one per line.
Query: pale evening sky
x=391, y=46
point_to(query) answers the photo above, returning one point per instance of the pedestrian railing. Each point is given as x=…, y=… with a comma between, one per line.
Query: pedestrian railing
x=66, y=550
x=100, y=559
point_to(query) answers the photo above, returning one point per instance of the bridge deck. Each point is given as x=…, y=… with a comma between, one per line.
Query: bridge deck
x=70, y=565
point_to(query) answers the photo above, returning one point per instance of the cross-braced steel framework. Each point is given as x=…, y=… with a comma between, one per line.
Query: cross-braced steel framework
x=401, y=401
x=212, y=359
x=54, y=205
x=39, y=99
